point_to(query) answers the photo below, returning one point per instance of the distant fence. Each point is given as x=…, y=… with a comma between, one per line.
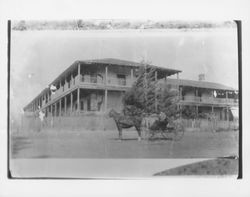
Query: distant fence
x=103, y=122
x=208, y=125
x=88, y=122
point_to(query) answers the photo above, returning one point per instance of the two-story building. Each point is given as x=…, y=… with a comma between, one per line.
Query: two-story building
x=90, y=86
x=99, y=85
x=205, y=97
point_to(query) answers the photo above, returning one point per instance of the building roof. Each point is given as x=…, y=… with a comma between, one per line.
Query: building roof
x=116, y=62
x=119, y=62
x=199, y=84
x=112, y=61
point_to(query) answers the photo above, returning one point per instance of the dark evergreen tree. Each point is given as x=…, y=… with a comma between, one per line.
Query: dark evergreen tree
x=146, y=97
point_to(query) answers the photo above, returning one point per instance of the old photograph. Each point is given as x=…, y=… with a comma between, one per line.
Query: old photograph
x=123, y=99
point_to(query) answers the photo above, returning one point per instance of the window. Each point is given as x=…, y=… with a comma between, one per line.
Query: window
x=121, y=79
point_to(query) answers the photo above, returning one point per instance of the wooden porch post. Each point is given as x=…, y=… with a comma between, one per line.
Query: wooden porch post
x=132, y=75
x=197, y=94
x=79, y=72
x=78, y=100
x=106, y=100
x=71, y=102
x=55, y=109
x=65, y=105
x=226, y=96
x=227, y=112
x=60, y=107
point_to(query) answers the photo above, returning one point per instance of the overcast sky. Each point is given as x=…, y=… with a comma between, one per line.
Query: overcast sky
x=37, y=57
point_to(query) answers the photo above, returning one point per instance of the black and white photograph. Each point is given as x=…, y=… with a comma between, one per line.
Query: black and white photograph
x=123, y=99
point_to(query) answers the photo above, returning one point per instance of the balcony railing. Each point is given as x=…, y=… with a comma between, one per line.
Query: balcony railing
x=88, y=79
x=112, y=81
x=210, y=100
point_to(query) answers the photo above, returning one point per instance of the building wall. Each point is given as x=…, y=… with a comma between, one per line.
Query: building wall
x=115, y=100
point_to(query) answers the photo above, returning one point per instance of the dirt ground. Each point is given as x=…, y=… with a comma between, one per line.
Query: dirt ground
x=105, y=144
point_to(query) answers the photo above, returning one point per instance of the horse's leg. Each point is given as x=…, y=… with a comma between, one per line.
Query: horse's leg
x=120, y=131
x=138, y=129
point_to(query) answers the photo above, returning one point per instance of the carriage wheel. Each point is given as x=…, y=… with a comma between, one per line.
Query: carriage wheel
x=178, y=131
x=167, y=135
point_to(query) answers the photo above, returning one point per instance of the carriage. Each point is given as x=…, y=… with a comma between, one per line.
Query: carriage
x=155, y=126
x=163, y=128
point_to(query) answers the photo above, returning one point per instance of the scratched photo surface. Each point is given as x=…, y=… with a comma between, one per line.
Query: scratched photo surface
x=114, y=98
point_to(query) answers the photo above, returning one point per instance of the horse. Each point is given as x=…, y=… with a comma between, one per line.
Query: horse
x=125, y=121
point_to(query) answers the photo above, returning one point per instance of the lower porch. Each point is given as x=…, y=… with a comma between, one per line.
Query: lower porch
x=222, y=113
x=85, y=101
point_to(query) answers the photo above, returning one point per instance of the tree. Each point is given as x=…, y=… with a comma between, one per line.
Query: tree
x=146, y=97
x=189, y=112
x=141, y=97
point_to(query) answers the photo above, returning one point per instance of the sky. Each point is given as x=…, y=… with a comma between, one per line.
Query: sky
x=38, y=57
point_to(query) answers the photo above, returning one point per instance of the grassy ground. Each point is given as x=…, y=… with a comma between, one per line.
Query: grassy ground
x=104, y=144
x=219, y=166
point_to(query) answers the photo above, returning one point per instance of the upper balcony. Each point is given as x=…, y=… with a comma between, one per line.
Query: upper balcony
x=93, y=82
x=209, y=101
x=112, y=83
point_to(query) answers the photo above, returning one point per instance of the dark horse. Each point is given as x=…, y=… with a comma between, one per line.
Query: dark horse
x=124, y=121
